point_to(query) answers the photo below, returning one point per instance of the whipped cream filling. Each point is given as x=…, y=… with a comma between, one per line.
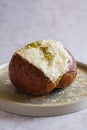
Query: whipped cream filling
x=49, y=56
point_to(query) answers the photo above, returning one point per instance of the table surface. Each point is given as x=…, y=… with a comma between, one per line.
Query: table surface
x=22, y=22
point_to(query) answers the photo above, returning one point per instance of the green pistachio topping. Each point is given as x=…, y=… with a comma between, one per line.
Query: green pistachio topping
x=47, y=55
x=33, y=44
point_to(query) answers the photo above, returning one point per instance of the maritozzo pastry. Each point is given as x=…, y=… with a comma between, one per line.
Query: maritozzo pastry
x=41, y=66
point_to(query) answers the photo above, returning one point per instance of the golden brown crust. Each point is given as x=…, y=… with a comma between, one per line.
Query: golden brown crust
x=30, y=80
x=27, y=78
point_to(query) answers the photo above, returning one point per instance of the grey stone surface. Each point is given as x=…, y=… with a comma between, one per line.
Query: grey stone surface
x=23, y=21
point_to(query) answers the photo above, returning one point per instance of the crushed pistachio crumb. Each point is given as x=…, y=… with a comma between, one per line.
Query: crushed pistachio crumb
x=33, y=44
x=48, y=55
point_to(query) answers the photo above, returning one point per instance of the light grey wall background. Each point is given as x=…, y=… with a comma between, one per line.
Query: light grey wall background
x=23, y=21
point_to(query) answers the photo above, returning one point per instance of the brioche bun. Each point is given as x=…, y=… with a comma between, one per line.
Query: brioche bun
x=40, y=67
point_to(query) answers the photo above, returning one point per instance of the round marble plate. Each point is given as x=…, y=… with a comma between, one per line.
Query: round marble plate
x=60, y=101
